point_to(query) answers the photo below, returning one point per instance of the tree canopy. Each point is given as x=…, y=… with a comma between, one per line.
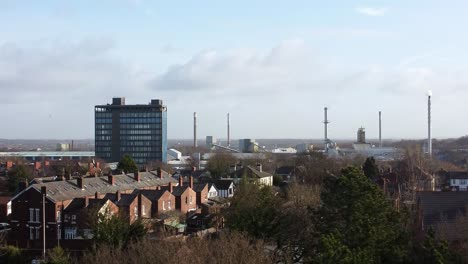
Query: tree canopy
x=127, y=164
x=18, y=174
x=220, y=164
x=356, y=224
x=370, y=168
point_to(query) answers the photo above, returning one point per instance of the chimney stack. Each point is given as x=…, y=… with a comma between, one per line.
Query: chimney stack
x=159, y=171
x=326, y=122
x=380, y=129
x=181, y=180
x=111, y=179
x=259, y=167
x=80, y=182
x=429, y=127
x=137, y=176
x=191, y=182
x=195, y=130
x=228, y=132
x=171, y=188
x=117, y=196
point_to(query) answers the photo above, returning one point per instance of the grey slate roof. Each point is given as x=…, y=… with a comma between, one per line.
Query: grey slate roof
x=176, y=190
x=126, y=199
x=457, y=175
x=152, y=195
x=68, y=189
x=198, y=187
x=250, y=172
x=79, y=203
x=223, y=184
x=434, y=205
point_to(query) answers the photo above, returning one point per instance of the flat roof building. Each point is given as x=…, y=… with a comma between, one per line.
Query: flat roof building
x=137, y=130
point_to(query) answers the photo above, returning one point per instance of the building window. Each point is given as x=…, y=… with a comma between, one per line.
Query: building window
x=70, y=233
x=186, y=200
x=37, y=215
x=169, y=205
x=59, y=218
x=31, y=233
x=143, y=211
x=37, y=232
x=135, y=211
x=164, y=205
x=462, y=182
x=190, y=199
x=31, y=214
x=73, y=218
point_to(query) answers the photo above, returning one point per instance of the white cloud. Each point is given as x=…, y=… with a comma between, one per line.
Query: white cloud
x=59, y=69
x=47, y=85
x=372, y=11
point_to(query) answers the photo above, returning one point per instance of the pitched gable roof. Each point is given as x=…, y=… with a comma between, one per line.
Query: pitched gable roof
x=223, y=184
x=68, y=189
x=152, y=195
x=198, y=187
x=126, y=199
x=434, y=205
x=249, y=172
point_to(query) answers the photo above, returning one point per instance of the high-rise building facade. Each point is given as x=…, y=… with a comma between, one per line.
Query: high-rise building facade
x=137, y=130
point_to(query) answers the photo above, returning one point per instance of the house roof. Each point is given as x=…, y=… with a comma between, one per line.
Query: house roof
x=126, y=199
x=79, y=203
x=152, y=195
x=68, y=189
x=434, y=205
x=198, y=187
x=284, y=170
x=457, y=175
x=176, y=190
x=75, y=204
x=250, y=172
x=223, y=184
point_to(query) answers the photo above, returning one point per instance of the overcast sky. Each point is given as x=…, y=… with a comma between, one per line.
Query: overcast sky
x=273, y=65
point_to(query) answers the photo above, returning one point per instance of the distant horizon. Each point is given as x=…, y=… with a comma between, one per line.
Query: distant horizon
x=235, y=139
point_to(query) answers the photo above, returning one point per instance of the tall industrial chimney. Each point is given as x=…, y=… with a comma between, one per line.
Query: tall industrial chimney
x=429, y=127
x=380, y=129
x=326, y=122
x=195, y=129
x=228, y=131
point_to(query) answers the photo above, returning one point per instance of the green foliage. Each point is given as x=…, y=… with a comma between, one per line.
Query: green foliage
x=114, y=231
x=17, y=175
x=13, y=255
x=220, y=163
x=434, y=251
x=277, y=180
x=370, y=169
x=58, y=255
x=356, y=224
x=254, y=209
x=127, y=164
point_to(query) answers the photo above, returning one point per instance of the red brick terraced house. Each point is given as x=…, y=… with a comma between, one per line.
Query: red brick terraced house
x=26, y=215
